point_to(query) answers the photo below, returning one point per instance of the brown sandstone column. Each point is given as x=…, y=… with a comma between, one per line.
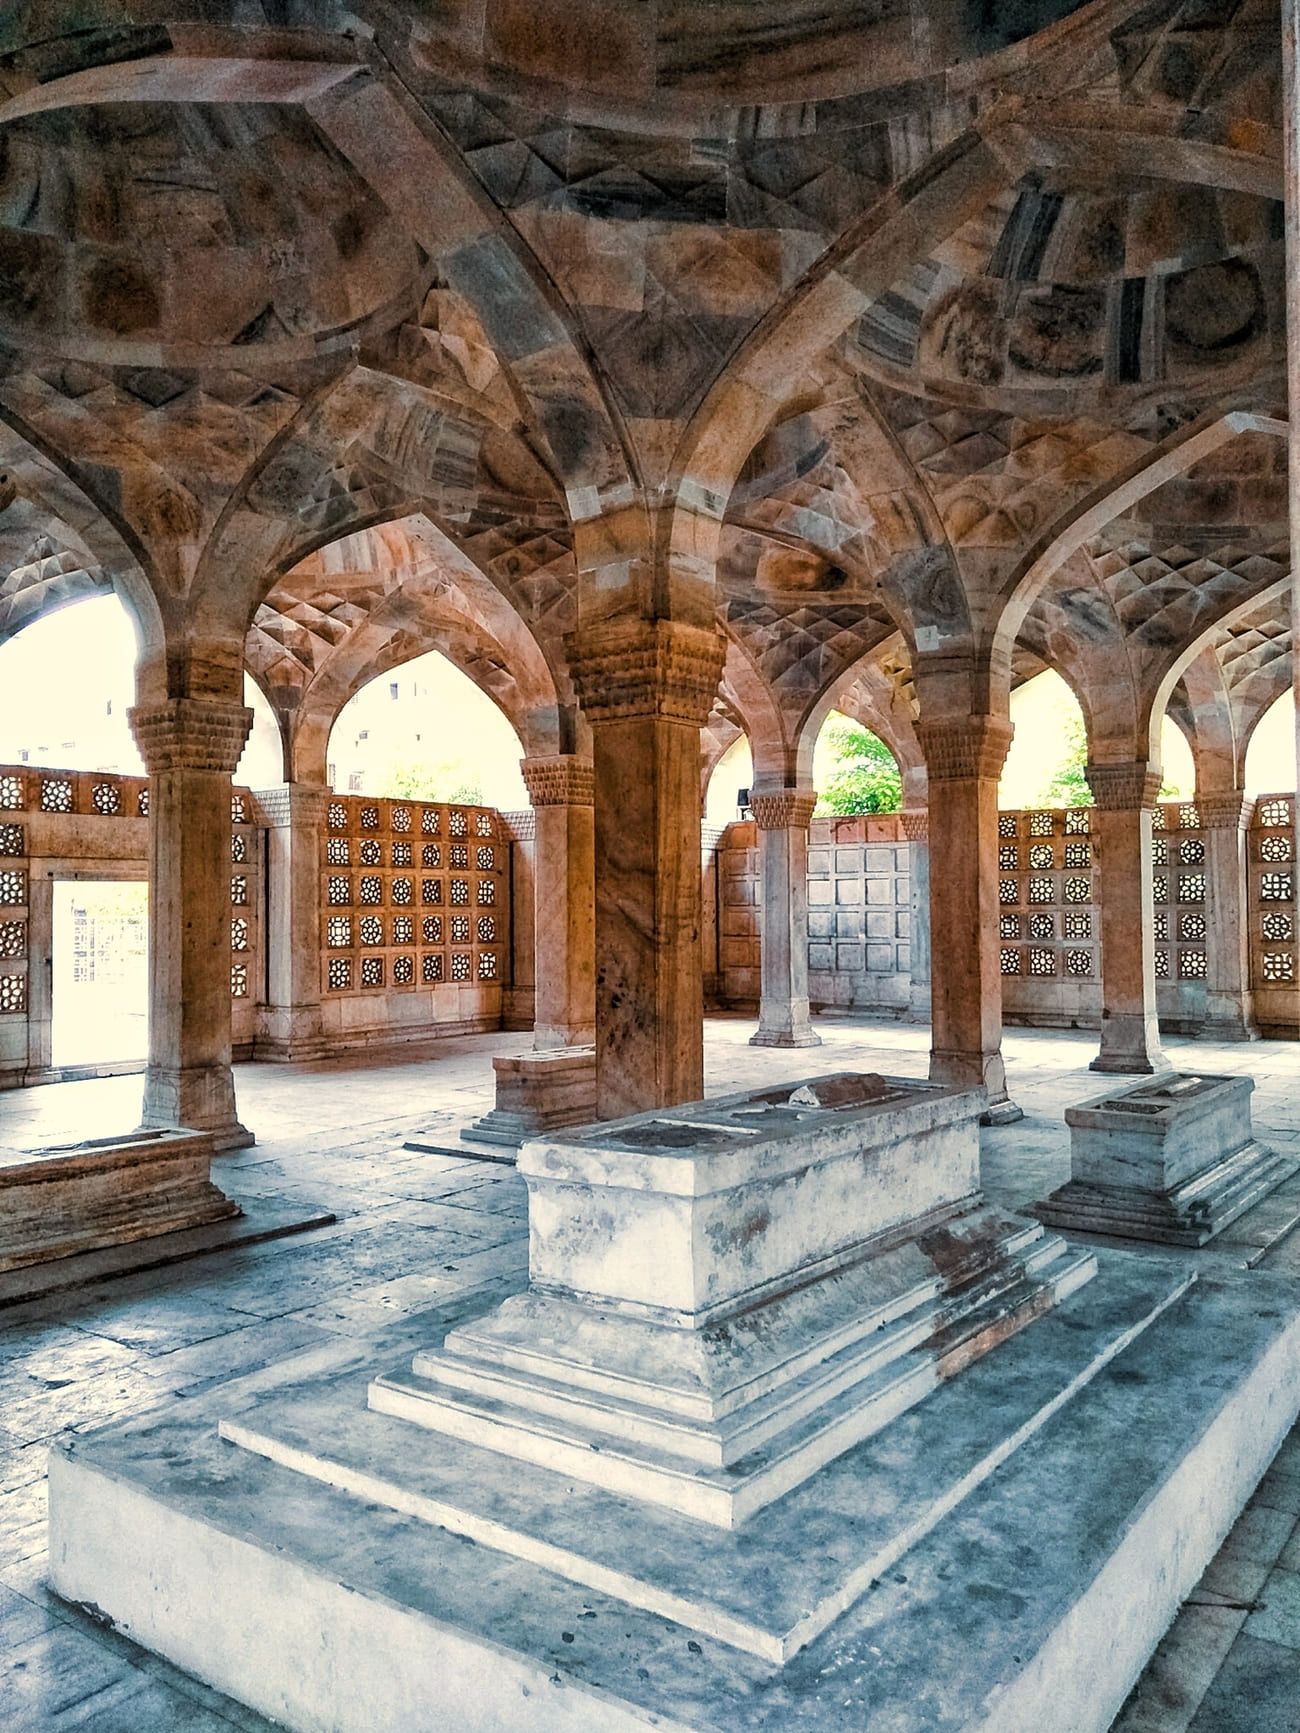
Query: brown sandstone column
x=783, y=816
x=1130, y=1033
x=190, y=748
x=561, y=792
x=1229, y=1012
x=646, y=688
x=916, y=828
x=964, y=760
x=290, y=1025
x=1291, y=186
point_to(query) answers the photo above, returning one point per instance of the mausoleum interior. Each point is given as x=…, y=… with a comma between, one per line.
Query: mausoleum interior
x=649, y=979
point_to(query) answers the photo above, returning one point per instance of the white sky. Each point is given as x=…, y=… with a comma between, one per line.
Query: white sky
x=66, y=684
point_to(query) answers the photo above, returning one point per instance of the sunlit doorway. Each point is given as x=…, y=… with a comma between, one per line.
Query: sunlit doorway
x=101, y=984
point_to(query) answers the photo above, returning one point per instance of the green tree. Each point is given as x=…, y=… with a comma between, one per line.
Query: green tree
x=425, y=780
x=864, y=778
x=1068, y=786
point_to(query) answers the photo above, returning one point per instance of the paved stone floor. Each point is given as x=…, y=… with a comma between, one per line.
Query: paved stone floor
x=412, y=1228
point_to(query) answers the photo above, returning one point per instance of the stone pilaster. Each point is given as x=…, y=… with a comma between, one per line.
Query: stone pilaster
x=289, y=1026
x=783, y=816
x=916, y=828
x=647, y=688
x=190, y=747
x=1126, y=795
x=562, y=792
x=1229, y=1008
x=964, y=759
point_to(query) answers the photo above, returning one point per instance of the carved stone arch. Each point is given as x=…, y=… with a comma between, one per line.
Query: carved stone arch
x=1181, y=452
x=97, y=554
x=1166, y=678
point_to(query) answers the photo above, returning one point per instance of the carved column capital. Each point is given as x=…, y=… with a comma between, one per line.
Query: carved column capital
x=964, y=748
x=1225, y=809
x=559, y=781
x=782, y=808
x=1123, y=787
x=646, y=668
x=916, y=824
x=294, y=803
x=190, y=734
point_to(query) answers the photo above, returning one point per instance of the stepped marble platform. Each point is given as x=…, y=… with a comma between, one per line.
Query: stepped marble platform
x=537, y=1093
x=1001, y=1559
x=1172, y=1161
x=726, y=1295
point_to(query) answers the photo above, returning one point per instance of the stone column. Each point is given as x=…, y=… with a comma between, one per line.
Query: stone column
x=190, y=747
x=561, y=792
x=964, y=760
x=783, y=816
x=1291, y=227
x=1130, y=1032
x=1229, y=1010
x=916, y=828
x=647, y=688
x=290, y=1025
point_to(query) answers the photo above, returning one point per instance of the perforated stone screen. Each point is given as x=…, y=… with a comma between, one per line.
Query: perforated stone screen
x=380, y=922
x=1272, y=915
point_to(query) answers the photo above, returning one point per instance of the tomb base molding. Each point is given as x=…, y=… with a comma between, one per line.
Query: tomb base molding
x=1172, y=1162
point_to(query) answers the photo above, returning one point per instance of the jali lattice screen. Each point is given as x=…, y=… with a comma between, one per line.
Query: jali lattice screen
x=415, y=895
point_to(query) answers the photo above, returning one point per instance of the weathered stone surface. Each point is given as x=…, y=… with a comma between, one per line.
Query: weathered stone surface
x=1173, y=1161
x=726, y=1296
x=55, y=1203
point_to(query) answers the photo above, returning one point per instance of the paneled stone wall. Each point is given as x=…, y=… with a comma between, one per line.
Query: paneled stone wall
x=859, y=914
x=1048, y=929
x=68, y=824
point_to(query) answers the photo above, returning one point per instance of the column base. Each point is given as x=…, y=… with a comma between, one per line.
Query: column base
x=289, y=1032
x=1129, y=1064
x=805, y=1037
x=1228, y=1028
x=201, y=1098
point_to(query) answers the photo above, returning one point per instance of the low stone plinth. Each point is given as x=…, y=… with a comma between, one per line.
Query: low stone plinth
x=1003, y=1559
x=538, y=1093
x=725, y=1296
x=56, y=1203
x=1173, y=1161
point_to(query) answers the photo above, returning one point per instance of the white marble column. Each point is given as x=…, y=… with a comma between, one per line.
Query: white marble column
x=190, y=747
x=1229, y=1012
x=916, y=828
x=964, y=759
x=647, y=688
x=783, y=816
x=561, y=790
x=1130, y=1032
x=289, y=1025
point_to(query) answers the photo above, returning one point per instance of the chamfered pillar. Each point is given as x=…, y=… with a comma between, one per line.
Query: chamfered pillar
x=1229, y=1010
x=964, y=759
x=1130, y=1033
x=916, y=828
x=783, y=816
x=289, y=1027
x=647, y=688
x=190, y=747
x=561, y=790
